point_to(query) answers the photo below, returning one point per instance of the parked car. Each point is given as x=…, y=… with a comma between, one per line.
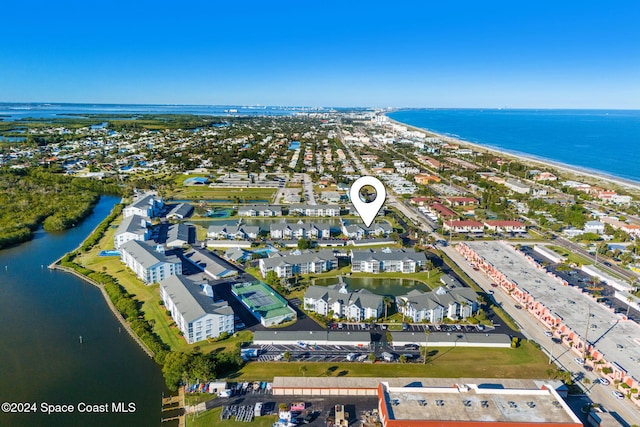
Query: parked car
x=548, y=333
x=310, y=417
x=617, y=394
x=604, y=381
x=579, y=360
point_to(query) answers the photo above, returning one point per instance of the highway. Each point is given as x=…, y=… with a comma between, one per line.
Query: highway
x=392, y=200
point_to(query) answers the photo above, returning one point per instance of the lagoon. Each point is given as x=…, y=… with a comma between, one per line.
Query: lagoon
x=43, y=314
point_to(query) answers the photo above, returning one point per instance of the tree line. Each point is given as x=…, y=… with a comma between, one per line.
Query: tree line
x=33, y=197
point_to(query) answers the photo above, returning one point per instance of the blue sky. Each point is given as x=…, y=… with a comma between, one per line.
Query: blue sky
x=546, y=54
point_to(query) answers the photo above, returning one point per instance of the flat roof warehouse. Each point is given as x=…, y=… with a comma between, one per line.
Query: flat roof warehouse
x=607, y=333
x=442, y=402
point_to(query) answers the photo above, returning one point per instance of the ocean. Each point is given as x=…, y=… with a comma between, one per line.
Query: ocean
x=601, y=141
x=17, y=111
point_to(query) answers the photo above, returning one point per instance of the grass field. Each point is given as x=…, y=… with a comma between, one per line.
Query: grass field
x=149, y=297
x=525, y=361
x=571, y=257
x=227, y=194
x=212, y=418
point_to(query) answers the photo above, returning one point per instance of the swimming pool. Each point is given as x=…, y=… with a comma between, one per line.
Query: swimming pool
x=109, y=253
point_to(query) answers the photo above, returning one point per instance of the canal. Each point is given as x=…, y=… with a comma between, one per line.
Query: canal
x=43, y=360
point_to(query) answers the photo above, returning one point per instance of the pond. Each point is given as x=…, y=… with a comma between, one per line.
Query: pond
x=380, y=286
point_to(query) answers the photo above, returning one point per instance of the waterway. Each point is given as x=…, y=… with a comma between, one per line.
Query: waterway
x=43, y=314
x=379, y=286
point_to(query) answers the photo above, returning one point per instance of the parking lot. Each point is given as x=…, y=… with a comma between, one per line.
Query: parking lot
x=578, y=278
x=409, y=327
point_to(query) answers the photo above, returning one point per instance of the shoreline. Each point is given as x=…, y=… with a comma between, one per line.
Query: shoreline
x=625, y=183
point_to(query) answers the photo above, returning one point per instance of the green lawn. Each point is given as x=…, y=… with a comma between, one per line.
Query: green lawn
x=447, y=362
x=431, y=279
x=205, y=192
x=571, y=257
x=212, y=418
x=149, y=297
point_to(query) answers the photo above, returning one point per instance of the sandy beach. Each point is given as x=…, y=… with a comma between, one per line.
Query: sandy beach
x=590, y=176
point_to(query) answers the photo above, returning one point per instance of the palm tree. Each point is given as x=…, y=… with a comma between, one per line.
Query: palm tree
x=387, y=301
x=402, y=304
x=426, y=344
x=629, y=301
x=303, y=369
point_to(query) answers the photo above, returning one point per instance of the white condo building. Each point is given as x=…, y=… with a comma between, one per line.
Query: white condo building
x=149, y=205
x=192, y=307
x=337, y=302
x=133, y=227
x=149, y=262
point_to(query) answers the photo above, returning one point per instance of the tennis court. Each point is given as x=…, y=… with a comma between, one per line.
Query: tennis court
x=265, y=303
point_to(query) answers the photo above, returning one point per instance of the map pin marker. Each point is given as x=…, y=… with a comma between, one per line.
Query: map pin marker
x=367, y=209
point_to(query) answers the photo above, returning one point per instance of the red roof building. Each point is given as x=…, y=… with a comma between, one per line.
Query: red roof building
x=506, y=226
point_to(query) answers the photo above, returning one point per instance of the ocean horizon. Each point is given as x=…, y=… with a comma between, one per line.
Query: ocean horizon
x=604, y=142
x=10, y=111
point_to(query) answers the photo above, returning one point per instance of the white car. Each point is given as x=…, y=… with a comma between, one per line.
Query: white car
x=579, y=360
x=617, y=394
x=548, y=333
x=604, y=381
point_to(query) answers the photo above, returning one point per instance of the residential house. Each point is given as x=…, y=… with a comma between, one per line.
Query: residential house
x=149, y=262
x=595, y=227
x=330, y=196
x=425, y=179
x=192, y=307
x=441, y=211
x=517, y=186
x=462, y=201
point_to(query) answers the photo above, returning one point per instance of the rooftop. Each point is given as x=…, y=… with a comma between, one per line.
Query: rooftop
x=190, y=299
x=145, y=254
x=606, y=331
x=262, y=299
x=487, y=402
